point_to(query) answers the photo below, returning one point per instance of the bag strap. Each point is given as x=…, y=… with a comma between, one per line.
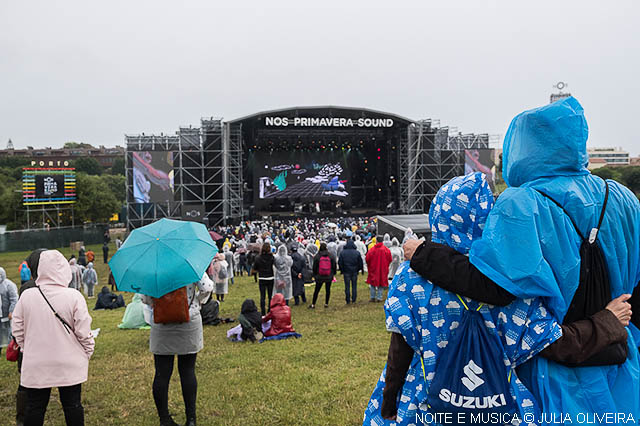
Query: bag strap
x=594, y=231
x=66, y=325
x=465, y=305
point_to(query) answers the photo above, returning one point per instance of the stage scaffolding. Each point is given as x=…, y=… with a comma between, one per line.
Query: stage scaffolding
x=208, y=167
x=233, y=183
x=208, y=173
x=430, y=158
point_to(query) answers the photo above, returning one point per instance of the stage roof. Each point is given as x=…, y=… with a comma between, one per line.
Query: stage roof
x=330, y=109
x=419, y=223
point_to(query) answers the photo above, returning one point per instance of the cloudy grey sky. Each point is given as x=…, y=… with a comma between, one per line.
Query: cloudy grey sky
x=90, y=71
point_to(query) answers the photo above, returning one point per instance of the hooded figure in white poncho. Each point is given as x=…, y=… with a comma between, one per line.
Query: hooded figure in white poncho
x=282, y=263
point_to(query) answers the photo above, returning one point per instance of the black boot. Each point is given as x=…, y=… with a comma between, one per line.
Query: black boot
x=191, y=422
x=167, y=421
x=74, y=416
x=21, y=406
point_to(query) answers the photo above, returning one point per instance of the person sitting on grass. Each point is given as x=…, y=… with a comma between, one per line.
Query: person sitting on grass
x=250, y=320
x=108, y=300
x=280, y=317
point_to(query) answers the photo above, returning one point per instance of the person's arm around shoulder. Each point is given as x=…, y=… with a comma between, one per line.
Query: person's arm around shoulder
x=82, y=324
x=583, y=339
x=451, y=270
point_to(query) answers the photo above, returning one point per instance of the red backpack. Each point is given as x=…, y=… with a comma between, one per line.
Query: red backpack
x=324, y=266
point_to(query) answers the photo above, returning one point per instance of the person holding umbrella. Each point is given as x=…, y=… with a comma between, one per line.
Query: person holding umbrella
x=166, y=262
x=184, y=340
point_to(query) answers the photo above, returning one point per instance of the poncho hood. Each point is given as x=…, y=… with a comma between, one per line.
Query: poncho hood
x=546, y=141
x=277, y=300
x=282, y=250
x=53, y=269
x=459, y=211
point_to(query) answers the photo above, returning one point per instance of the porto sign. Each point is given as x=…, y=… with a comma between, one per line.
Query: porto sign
x=327, y=122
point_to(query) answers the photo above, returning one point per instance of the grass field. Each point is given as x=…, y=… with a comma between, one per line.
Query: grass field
x=324, y=378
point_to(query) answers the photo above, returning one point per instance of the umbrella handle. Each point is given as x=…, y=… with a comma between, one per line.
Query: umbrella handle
x=137, y=289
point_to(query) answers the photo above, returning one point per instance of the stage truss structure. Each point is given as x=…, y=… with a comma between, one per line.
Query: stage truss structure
x=430, y=158
x=207, y=173
x=47, y=214
x=208, y=169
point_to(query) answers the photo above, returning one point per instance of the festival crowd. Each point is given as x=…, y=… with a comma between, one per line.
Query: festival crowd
x=519, y=307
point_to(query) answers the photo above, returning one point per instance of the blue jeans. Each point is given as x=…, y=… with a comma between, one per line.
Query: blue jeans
x=351, y=280
x=376, y=293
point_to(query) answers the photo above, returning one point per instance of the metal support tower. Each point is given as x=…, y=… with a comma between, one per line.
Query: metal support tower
x=233, y=180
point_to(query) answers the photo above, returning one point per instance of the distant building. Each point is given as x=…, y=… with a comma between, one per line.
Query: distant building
x=634, y=161
x=61, y=157
x=611, y=156
x=596, y=163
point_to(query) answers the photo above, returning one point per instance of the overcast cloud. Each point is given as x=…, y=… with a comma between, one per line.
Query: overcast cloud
x=92, y=71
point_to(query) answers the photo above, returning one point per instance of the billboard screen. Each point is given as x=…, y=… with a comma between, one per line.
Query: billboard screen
x=48, y=185
x=152, y=176
x=481, y=160
x=301, y=177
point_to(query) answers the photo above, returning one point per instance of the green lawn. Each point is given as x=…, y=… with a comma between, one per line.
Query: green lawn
x=325, y=378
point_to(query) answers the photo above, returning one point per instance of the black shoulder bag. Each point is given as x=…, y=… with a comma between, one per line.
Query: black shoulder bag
x=594, y=289
x=64, y=323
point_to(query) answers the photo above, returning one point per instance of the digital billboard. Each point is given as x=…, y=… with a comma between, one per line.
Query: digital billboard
x=152, y=176
x=301, y=177
x=48, y=185
x=481, y=160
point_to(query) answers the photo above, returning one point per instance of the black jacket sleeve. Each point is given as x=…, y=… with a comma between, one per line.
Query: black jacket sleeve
x=583, y=339
x=580, y=340
x=398, y=363
x=452, y=271
x=635, y=306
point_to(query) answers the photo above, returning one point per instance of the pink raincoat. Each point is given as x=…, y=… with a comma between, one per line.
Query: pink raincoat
x=52, y=357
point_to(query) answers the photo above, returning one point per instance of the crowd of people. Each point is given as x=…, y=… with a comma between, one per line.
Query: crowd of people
x=282, y=256
x=531, y=298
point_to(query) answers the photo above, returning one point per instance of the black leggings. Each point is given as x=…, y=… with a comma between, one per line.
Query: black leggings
x=70, y=398
x=327, y=290
x=266, y=288
x=187, y=370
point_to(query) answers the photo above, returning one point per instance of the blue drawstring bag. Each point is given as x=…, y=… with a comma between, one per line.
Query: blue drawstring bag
x=471, y=376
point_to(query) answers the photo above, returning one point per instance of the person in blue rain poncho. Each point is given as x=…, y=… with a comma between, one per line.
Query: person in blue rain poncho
x=426, y=316
x=530, y=248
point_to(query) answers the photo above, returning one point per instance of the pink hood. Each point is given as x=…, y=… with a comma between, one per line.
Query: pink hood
x=53, y=269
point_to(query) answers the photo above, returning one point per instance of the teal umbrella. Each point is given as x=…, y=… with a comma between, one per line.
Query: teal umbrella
x=164, y=256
